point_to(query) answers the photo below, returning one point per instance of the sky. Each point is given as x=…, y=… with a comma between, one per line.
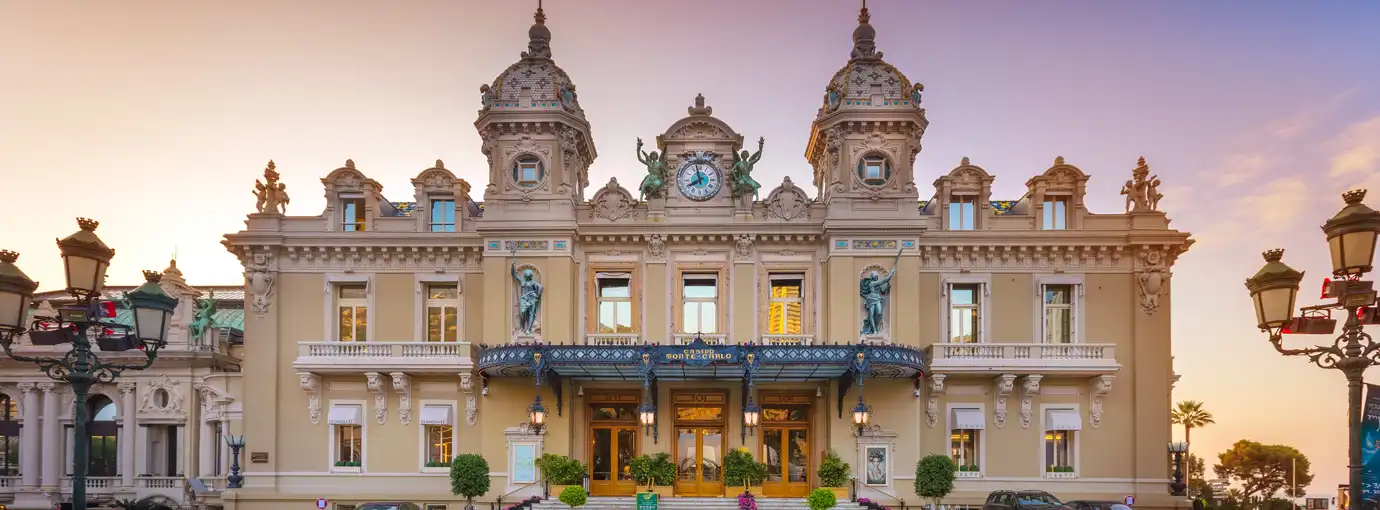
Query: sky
x=156, y=117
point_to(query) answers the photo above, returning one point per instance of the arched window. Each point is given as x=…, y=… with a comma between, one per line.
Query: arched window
x=103, y=433
x=9, y=437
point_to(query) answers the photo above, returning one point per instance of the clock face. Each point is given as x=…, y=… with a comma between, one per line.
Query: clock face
x=699, y=181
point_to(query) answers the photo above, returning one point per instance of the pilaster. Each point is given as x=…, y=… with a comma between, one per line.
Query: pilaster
x=129, y=429
x=52, y=470
x=29, y=437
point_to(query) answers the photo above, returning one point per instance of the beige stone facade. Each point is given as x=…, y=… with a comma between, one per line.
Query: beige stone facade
x=375, y=329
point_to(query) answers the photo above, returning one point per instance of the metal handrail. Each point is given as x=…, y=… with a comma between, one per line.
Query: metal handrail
x=496, y=505
x=857, y=492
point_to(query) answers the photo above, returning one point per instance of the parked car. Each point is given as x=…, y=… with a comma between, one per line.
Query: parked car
x=392, y=505
x=1083, y=504
x=1018, y=500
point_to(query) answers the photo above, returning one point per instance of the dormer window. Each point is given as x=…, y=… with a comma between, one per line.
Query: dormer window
x=1056, y=213
x=527, y=172
x=352, y=213
x=963, y=212
x=874, y=170
x=443, y=214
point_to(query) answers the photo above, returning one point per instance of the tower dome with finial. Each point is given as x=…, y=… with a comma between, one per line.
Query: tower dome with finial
x=867, y=81
x=534, y=82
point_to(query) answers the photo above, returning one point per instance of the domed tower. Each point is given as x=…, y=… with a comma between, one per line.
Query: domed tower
x=536, y=139
x=865, y=138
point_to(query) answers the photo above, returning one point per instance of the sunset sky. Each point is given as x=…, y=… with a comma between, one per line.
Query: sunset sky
x=156, y=117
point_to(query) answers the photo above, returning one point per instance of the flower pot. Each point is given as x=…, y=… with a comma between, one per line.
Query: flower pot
x=841, y=494
x=556, y=490
x=664, y=492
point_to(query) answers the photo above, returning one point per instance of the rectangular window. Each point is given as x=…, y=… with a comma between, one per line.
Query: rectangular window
x=1058, y=308
x=1059, y=450
x=963, y=448
x=965, y=312
x=1056, y=213
x=700, y=294
x=438, y=445
x=349, y=445
x=963, y=212
x=614, y=298
x=785, y=308
x=442, y=215
x=527, y=172
x=352, y=304
x=352, y=214
x=442, y=313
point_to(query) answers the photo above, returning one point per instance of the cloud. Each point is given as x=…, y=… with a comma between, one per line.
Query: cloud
x=1240, y=167
x=1358, y=150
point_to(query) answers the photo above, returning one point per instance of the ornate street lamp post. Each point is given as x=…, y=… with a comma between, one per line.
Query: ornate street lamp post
x=536, y=415
x=236, y=444
x=86, y=259
x=862, y=414
x=1351, y=236
x=1177, y=487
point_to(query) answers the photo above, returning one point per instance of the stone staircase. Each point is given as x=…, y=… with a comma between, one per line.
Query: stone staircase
x=629, y=503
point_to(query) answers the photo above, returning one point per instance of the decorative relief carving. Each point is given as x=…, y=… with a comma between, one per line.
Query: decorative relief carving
x=743, y=246
x=787, y=201
x=700, y=130
x=1022, y=257
x=936, y=391
x=1004, y=384
x=374, y=381
x=402, y=383
x=1152, y=275
x=258, y=281
x=1101, y=386
x=613, y=203
x=1031, y=385
x=466, y=382
x=311, y=383
x=170, y=387
x=471, y=409
x=656, y=246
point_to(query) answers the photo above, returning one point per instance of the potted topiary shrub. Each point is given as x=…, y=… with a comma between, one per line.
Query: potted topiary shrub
x=934, y=477
x=656, y=472
x=469, y=477
x=833, y=475
x=742, y=473
x=560, y=472
x=574, y=495
x=821, y=499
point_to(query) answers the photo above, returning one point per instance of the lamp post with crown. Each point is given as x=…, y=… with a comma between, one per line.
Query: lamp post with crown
x=85, y=259
x=1351, y=236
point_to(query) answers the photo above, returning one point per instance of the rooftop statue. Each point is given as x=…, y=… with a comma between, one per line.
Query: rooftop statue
x=740, y=177
x=654, y=183
x=204, y=317
x=1142, y=191
x=528, y=299
x=272, y=195
x=874, y=291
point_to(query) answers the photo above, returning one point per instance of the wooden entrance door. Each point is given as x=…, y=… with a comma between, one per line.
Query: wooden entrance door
x=614, y=441
x=700, y=443
x=786, y=444
x=612, y=449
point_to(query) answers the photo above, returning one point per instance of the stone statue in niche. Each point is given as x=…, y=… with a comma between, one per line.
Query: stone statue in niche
x=874, y=290
x=528, y=299
x=654, y=184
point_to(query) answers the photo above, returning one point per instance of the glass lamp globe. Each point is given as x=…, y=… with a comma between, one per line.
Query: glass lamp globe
x=1273, y=290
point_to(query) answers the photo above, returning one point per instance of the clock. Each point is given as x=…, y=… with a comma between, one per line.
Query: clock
x=699, y=180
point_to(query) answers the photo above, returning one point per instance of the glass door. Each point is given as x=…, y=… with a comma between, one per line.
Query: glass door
x=699, y=458
x=611, y=451
x=785, y=451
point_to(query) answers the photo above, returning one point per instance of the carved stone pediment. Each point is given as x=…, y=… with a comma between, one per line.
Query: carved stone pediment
x=613, y=202
x=349, y=179
x=788, y=202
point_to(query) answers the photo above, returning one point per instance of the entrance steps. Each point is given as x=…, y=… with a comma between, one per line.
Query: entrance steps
x=629, y=503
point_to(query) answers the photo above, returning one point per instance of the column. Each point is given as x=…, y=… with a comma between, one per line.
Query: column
x=128, y=433
x=205, y=443
x=52, y=436
x=29, y=437
x=224, y=467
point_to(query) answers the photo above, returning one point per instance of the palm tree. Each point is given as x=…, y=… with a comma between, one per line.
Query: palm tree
x=1191, y=415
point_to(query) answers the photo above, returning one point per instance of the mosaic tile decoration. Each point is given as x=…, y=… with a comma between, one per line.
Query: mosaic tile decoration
x=874, y=244
x=524, y=245
x=405, y=208
x=1003, y=206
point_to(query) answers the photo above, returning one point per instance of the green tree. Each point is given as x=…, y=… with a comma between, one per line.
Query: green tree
x=934, y=477
x=574, y=496
x=1191, y=415
x=1194, y=468
x=1264, y=469
x=469, y=477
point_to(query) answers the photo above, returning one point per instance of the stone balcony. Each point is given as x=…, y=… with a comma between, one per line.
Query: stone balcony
x=383, y=357
x=786, y=339
x=1023, y=358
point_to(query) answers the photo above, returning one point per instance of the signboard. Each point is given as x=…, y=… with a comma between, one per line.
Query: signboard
x=1370, y=445
x=524, y=463
x=258, y=457
x=700, y=354
x=321, y=503
x=646, y=501
x=1130, y=500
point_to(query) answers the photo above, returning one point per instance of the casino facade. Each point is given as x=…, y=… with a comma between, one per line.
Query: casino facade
x=694, y=314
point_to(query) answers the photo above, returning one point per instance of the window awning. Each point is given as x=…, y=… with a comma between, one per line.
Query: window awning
x=968, y=419
x=1063, y=419
x=346, y=414
x=436, y=415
